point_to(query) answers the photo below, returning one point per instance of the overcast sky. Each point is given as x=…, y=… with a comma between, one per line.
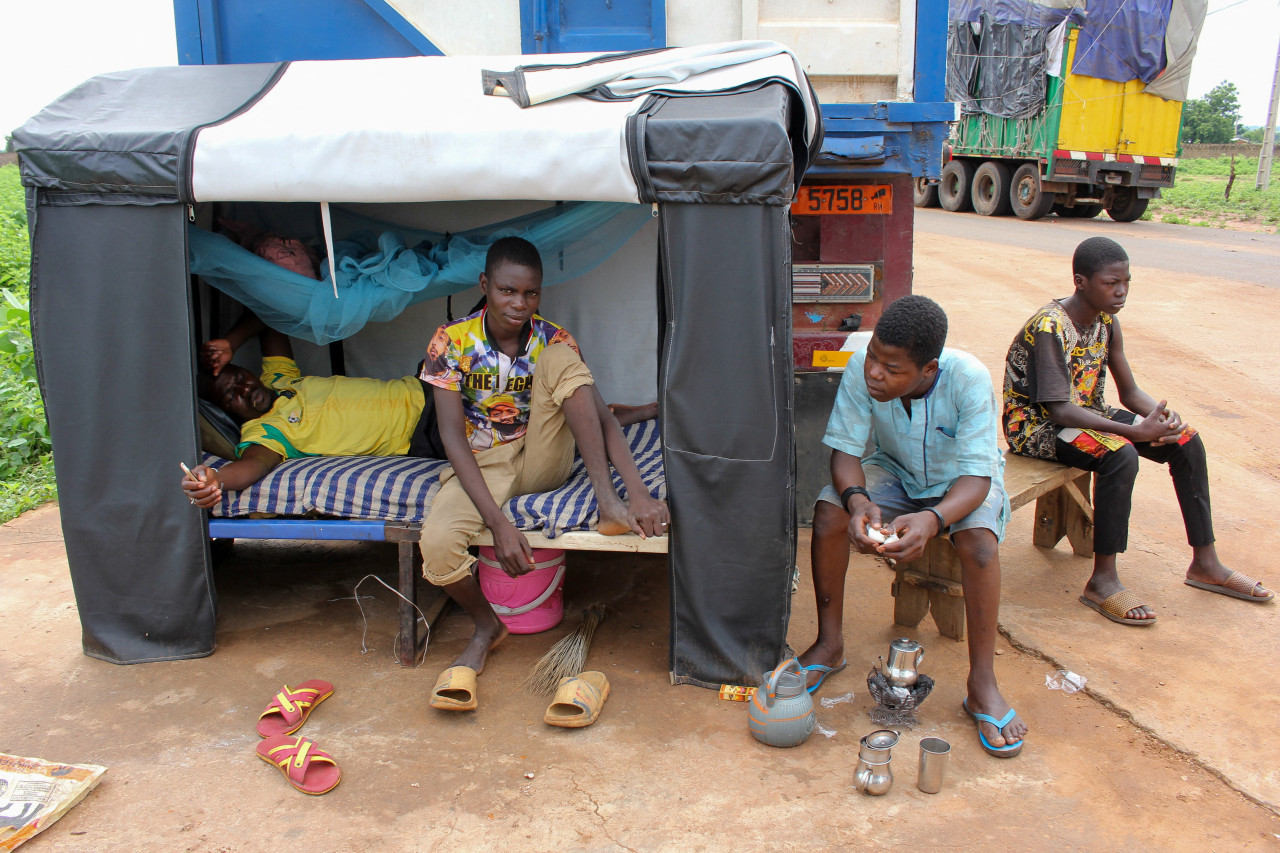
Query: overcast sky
x=49, y=46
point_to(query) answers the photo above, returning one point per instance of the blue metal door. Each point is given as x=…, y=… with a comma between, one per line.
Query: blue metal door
x=570, y=26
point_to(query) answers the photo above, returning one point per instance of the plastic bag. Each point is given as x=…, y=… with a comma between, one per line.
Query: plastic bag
x=1066, y=681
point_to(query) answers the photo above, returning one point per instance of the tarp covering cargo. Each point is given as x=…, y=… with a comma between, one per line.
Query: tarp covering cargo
x=999, y=51
x=117, y=168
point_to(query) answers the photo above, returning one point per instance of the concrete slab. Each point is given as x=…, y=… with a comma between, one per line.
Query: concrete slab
x=1132, y=764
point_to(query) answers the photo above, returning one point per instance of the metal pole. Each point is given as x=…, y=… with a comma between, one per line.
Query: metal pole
x=1269, y=137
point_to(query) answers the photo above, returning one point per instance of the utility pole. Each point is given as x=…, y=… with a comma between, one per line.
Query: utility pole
x=1269, y=136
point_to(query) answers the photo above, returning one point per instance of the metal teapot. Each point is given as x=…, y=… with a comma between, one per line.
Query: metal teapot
x=781, y=711
x=900, y=670
x=874, y=776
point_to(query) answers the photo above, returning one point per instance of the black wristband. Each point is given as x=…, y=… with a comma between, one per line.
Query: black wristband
x=942, y=522
x=850, y=492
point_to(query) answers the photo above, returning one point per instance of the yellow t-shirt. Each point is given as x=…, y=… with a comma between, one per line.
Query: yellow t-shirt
x=334, y=415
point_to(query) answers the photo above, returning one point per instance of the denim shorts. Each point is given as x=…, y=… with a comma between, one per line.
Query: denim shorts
x=887, y=493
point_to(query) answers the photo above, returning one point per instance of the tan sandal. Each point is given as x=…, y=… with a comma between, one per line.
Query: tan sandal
x=578, y=700
x=455, y=690
x=1238, y=585
x=1116, y=606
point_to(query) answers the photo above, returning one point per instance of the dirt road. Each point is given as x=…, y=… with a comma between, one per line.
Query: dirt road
x=1172, y=748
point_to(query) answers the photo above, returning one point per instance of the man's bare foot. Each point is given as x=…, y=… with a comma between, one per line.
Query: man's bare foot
x=615, y=518
x=831, y=656
x=987, y=700
x=628, y=415
x=482, y=642
x=1099, y=590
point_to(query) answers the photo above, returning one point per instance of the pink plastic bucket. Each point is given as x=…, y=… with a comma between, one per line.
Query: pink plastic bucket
x=530, y=603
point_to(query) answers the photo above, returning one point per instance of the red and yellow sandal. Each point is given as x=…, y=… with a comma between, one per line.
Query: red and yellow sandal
x=310, y=770
x=291, y=707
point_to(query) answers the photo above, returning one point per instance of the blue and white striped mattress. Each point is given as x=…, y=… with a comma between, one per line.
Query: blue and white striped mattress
x=400, y=488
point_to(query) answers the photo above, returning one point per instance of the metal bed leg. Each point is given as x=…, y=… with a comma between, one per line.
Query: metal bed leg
x=408, y=616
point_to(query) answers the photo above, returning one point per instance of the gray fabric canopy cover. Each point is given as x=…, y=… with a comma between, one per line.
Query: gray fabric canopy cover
x=109, y=171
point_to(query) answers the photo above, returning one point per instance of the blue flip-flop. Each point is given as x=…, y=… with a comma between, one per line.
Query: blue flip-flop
x=1006, y=751
x=825, y=670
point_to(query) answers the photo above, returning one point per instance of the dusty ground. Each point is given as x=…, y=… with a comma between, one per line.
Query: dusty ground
x=1172, y=748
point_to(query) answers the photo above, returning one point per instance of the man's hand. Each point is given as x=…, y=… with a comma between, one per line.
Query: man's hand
x=649, y=516
x=216, y=354
x=863, y=514
x=202, y=486
x=914, y=532
x=512, y=549
x=1173, y=421
x=1160, y=426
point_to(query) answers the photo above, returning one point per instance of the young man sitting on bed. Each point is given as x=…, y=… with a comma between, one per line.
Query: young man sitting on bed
x=513, y=397
x=285, y=415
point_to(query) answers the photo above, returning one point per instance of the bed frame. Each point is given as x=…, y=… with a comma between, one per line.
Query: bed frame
x=405, y=535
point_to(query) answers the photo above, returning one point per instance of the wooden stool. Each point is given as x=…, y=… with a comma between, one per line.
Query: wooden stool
x=1062, y=509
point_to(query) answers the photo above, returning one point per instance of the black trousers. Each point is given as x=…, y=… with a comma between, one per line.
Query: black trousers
x=1115, y=473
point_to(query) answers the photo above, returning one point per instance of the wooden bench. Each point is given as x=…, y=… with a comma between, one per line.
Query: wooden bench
x=1063, y=508
x=405, y=535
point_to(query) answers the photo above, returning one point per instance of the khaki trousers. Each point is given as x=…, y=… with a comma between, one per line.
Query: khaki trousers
x=538, y=461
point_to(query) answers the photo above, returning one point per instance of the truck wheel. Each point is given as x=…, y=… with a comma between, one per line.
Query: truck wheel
x=924, y=194
x=953, y=191
x=1026, y=197
x=1127, y=206
x=1082, y=210
x=990, y=192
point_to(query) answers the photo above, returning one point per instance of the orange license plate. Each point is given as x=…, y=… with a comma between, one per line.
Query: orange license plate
x=848, y=198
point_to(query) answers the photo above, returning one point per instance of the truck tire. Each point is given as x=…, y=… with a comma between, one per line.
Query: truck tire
x=1082, y=210
x=953, y=191
x=1127, y=206
x=1026, y=197
x=990, y=193
x=924, y=194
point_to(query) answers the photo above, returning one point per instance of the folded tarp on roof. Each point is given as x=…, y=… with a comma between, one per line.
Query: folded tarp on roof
x=393, y=130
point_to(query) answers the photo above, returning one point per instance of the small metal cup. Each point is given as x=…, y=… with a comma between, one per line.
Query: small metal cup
x=933, y=764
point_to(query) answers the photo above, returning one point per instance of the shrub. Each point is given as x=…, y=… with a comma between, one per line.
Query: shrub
x=26, y=471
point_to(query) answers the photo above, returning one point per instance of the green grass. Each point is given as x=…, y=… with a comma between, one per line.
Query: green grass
x=1198, y=196
x=26, y=460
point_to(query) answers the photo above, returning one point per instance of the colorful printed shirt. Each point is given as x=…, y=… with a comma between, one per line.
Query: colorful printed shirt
x=1052, y=360
x=496, y=389
x=950, y=433
x=334, y=415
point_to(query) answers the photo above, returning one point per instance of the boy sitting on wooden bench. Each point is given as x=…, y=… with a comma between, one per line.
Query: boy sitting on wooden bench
x=1054, y=408
x=513, y=396
x=936, y=470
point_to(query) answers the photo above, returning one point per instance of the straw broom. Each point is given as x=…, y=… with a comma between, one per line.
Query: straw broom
x=567, y=657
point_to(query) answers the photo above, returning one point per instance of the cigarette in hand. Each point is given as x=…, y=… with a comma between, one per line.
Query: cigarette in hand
x=188, y=472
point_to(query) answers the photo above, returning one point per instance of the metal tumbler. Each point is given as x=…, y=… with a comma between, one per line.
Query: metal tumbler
x=933, y=764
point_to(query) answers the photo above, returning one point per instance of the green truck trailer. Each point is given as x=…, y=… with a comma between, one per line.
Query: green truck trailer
x=1043, y=127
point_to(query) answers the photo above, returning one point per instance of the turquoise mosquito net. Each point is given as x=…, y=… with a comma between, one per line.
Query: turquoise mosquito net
x=386, y=268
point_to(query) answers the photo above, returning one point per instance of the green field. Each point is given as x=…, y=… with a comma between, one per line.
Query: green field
x=26, y=461
x=1198, y=197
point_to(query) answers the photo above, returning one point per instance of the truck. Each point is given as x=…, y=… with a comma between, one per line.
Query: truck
x=1069, y=111
x=877, y=67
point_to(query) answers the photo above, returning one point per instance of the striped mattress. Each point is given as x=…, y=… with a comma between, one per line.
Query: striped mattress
x=400, y=488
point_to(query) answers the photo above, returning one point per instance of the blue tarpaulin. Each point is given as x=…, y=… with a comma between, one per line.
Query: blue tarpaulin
x=1123, y=40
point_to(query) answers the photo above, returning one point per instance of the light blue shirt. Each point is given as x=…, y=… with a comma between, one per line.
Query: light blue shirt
x=951, y=432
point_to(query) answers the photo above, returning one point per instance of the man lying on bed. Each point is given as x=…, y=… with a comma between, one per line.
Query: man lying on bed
x=285, y=415
x=344, y=416
x=513, y=397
